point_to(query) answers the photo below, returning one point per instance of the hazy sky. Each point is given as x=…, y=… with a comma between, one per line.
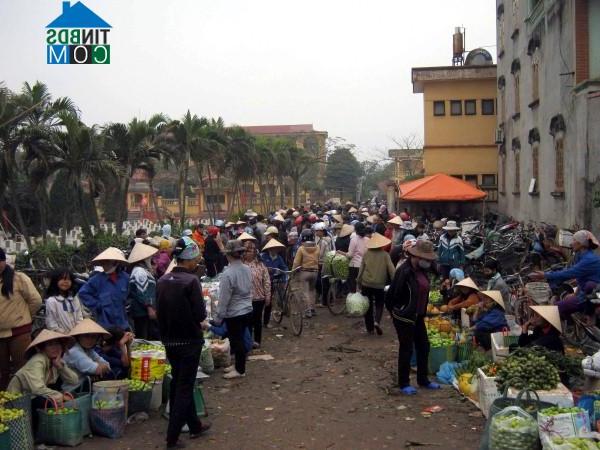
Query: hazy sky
x=341, y=65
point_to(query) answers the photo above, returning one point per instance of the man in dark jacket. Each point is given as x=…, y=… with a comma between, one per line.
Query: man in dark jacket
x=180, y=311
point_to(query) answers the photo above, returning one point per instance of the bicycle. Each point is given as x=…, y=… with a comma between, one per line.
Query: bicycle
x=336, y=298
x=286, y=302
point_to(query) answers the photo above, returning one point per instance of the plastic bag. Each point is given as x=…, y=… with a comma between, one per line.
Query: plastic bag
x=513, y=429
x=563, y=422
x=220, y=353
x=572, y=443
x=341, y=267
x=108, y=416
x=328, y=263
x=447, y=372
x=357, y=304
x=207, y=363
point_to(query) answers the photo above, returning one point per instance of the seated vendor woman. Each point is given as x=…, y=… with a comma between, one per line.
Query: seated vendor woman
x=466, y=295
x=45, y=373
x=543, y=329
x=489, y=318
x=83, y=358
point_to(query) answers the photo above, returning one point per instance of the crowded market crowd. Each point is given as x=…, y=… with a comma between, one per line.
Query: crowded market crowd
x=153, y=292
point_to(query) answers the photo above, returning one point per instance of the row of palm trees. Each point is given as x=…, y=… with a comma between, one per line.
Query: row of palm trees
x=45, y=147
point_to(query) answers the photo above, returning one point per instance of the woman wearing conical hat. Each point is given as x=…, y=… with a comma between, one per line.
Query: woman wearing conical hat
x=466, y=295
x=45, y=368
x=543, y=329
x=376, y=270
x=142, y=290
x=489, y=318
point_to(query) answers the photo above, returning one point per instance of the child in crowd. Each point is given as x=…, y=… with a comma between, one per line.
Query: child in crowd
x=115, y=350
x=63, y=309
x=82, y=357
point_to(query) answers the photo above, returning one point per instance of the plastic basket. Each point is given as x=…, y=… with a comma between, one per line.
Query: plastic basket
x=59, y=429
x=21, y=434
x=5, y=440
x=83, y=400
x=113, y=387
x=538, y=291
x=109, y=423
x=23, y=402
x=440, y=355
x=139, y=401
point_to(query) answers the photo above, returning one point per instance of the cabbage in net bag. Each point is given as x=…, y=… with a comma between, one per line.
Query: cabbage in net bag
x=357, y=304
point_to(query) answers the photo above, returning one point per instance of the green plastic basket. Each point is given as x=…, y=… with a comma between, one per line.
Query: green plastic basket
x=5, y=440
x=59, y=429
x=440, y=355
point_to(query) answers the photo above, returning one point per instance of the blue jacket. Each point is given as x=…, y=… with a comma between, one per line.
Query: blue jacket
x=277, y=263
x=221, y=330
x=451, y=251
x=106, y=299
x=492, y=321
x=586, y=268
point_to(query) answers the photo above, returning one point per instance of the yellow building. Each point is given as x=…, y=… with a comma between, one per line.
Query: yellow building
x=460, y=120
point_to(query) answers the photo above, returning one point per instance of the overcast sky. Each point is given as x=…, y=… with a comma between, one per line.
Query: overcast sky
x=341, y=65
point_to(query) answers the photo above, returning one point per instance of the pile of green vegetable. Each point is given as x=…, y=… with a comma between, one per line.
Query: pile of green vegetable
x=328, y=263
x=532, y=371
x=435, y=298
x=513, y=432
x=138, y=386
x=341, y=267
x=437, y=340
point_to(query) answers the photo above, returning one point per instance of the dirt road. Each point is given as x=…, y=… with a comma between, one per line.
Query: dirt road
x=330, y=389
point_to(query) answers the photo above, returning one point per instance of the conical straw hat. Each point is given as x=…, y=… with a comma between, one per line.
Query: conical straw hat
x=88, y=326
x=468, y=282
x=140, y=252
x=279, y=218
x=111, y=254
x=229, y=224
x=396, y=221
x=377, y=241
x=346, y=230
x=353, y=210
x=172, y=265
x=47, y=335
x=371, y=219
x=496, y=296
x=550, y=313
x=273, y=243
x=365, y=213
x=240, y=222
x=337, y=218
x=246, y=237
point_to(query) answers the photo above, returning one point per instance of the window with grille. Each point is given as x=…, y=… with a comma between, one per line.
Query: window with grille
x=488, y=180
x=517, y=186
x=503, y=174
x=517, y=79
x=535, y=164
x=535, y=78
x=215, y=199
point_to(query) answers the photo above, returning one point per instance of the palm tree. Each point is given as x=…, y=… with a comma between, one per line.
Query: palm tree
x=131, y=147
x=78, y=154
x=178, y=139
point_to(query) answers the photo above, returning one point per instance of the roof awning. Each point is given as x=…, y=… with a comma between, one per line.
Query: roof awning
x=439, y=188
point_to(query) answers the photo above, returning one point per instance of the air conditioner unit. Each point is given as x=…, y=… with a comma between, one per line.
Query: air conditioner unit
x=499, y=135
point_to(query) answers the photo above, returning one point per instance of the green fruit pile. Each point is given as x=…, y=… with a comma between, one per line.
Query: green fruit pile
x=530, y=371
x=513, y=432
x=61, y=411
x=8, y=414
x=3, y=428
x=556, y=410
x=6, y=396
x=107, y=404
x=138, y=386
x=149, y=347
x=435, y=297
x=575, y=443
x=437, y=339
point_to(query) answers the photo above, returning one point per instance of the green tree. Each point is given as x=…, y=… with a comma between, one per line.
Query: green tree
x=342, y=173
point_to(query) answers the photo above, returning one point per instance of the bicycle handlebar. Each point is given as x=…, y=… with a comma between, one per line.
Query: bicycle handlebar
x=287, y=272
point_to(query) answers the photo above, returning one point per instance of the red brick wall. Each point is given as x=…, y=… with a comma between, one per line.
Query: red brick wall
x=582, y=68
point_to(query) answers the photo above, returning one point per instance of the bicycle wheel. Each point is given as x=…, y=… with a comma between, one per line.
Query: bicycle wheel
x=296, y=310
x=336, y=303
x=78, y=264
x=277, y=306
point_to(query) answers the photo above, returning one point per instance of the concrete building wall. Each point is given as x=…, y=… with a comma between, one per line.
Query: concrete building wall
x=558, y=94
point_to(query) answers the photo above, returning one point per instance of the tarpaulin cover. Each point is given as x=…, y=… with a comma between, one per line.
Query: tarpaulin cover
x=439, y=188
